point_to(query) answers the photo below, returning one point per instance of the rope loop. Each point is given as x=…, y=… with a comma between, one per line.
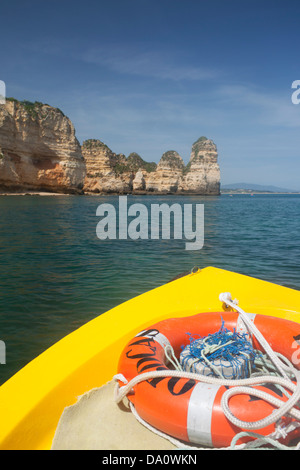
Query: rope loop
x=277, y=370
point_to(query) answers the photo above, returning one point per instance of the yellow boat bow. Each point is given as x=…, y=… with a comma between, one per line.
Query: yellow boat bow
x=32, y=401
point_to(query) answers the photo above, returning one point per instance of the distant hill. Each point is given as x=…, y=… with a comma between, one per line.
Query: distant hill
x=255, y=187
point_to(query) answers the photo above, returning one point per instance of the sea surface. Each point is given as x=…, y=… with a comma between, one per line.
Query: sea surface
x=56, y=274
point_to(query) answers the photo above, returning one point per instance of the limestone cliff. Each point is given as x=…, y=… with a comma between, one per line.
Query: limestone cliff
x=103, y=169
x=202, y=173
x=108, y=172
x=167, y=177
x=111, y=173
x=38, y=149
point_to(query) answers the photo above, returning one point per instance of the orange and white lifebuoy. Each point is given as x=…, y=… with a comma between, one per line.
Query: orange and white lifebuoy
x=188, y=409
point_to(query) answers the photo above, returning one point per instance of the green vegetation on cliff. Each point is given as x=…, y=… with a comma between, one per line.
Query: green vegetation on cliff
x=132, y=164
x=94, y=144
x=173, y=159
x=135, y=162
x=198, y=145
x=119, y=163
x=201, y=139
x=187, y=168
x=33, y=108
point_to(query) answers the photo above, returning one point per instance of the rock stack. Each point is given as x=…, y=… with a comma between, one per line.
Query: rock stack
x=39, y=151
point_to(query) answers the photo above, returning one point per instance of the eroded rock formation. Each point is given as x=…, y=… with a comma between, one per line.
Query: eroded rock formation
x=38, y=149
x=108, y=172
x=111, y=173
x=202, y=173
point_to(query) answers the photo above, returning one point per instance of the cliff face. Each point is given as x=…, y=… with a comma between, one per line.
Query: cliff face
x=104, y=169
x=108, y=172
x=202, y=175
x=38, y=149
x=167, y=177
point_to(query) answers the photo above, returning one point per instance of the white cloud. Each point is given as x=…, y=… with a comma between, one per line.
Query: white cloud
x=161, y=64
x=266, y=108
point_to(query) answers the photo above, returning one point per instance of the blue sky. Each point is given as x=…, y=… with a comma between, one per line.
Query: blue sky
x=150, y=76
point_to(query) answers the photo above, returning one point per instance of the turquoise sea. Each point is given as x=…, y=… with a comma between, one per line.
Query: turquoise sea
x=55, y=274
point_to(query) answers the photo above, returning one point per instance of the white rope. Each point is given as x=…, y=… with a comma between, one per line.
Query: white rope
x=241, y=386
x=259, y=443
x=122, y=392
x=260, y=440
x=226, y=298
x=282, y=368
x=283, y=407
x=171, y=439
x=176, y=442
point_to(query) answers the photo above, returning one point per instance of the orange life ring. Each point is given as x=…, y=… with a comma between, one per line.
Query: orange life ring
x=190, y=410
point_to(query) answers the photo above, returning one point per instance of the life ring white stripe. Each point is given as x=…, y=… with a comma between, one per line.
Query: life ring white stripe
x=200, y=413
